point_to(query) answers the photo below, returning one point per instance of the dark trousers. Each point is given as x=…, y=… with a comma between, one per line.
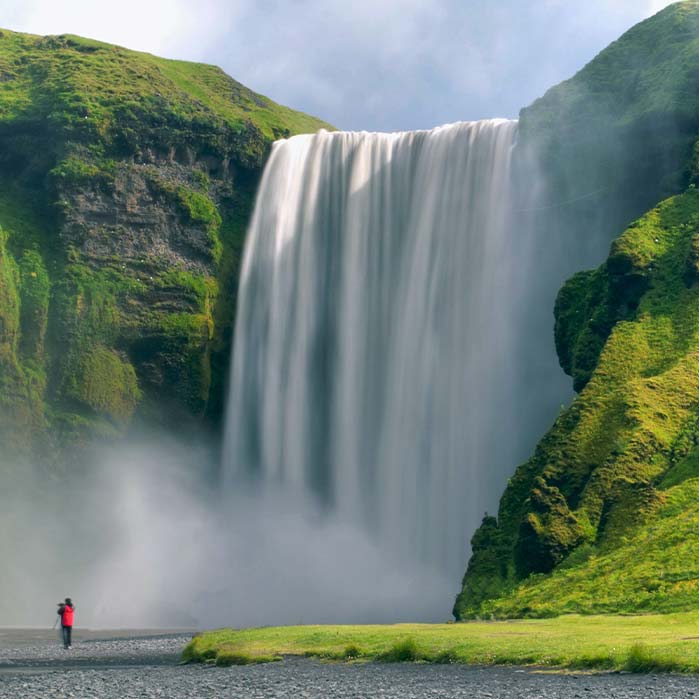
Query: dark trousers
x=67, y=635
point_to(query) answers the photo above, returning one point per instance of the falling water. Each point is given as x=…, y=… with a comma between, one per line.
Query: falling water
x=381, y=298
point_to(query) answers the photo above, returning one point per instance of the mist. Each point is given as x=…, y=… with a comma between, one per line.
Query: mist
x=139, y=541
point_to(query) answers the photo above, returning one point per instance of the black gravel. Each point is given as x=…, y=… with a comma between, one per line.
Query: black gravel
x=147, y=667
x=152, y=649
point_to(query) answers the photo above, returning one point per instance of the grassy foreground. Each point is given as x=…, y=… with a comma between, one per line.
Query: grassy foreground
x=653, y=643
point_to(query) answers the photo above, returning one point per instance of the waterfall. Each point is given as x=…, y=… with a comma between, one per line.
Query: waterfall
x=381, y=305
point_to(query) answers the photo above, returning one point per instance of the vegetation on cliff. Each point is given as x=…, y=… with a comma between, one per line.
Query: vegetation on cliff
x=600, y=518
x=126, y=182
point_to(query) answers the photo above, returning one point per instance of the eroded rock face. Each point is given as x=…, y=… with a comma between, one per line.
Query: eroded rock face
x=145, y=261
x=124, y=197
x=135, y=307
x=137, y=217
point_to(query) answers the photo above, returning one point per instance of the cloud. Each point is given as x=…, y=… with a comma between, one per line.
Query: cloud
x=412, y=63
x=168, y=27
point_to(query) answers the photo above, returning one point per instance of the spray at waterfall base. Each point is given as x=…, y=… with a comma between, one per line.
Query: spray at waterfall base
x=140, y=541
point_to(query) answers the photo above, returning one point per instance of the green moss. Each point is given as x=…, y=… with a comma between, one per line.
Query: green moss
x=587, y=308
x=89, y=302
x=652, y=569
x=91, y=381
x=25, y=217
x=105, y=383
x=23, y=306
x=597, y=479
x=192, y=328
x=687, y=467
x=35, y=289
x=200, y=209
x=9, y=301
x=201, y=179
x=548, y=532
x=77, y=170
x=202, y=290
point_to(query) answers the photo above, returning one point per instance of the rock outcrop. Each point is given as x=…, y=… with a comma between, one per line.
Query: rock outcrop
x=126, y=182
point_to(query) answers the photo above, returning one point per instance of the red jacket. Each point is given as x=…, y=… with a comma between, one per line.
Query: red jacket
x=67, y=615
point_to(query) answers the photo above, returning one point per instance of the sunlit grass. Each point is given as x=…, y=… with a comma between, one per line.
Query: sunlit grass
x=653, y=643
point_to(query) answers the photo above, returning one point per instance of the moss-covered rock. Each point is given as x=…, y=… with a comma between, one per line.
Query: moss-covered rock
x=602, y=473
x=126, y=182
x=35, y=288
x=22, y=326
x=548, y=532
x=611, y=142
x=105, y=383
x=590, y=304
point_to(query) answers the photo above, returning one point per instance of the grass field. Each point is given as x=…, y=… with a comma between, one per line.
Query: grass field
x=653, y=643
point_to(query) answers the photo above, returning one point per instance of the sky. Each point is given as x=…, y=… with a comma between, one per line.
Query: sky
x=376, y=65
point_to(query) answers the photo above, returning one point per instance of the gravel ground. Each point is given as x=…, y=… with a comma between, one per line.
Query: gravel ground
x=135, y=650
x=145, y=667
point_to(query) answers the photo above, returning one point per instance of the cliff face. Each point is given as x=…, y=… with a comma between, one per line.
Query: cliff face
x=600, y=518
x=611, y=489
x=126, y=182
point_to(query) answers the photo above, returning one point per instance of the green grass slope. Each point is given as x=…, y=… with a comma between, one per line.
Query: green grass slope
x=126, y=183
x=90, y=86
x=601, y=518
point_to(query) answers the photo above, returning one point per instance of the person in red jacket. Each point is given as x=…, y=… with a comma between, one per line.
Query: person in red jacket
x=66, y=611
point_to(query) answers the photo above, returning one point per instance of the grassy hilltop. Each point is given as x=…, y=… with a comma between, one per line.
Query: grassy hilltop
x=618, y=137
x=126, y=182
